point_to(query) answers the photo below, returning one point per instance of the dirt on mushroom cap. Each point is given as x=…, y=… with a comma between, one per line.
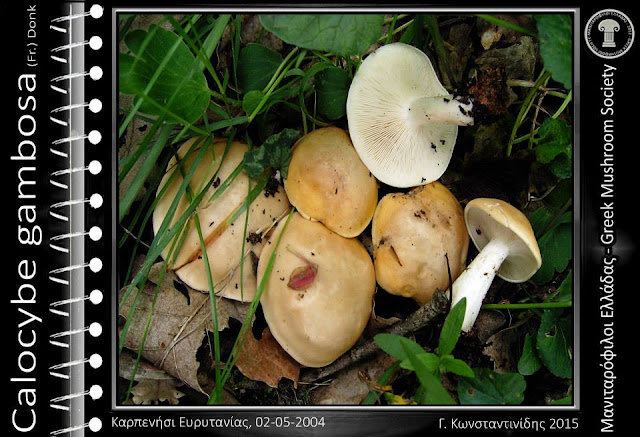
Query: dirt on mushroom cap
x=411, y=234
x=328, y=182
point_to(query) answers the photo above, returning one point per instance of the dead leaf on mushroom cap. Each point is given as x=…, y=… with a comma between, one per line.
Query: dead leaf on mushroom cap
x=265, y=360
x=177, y=329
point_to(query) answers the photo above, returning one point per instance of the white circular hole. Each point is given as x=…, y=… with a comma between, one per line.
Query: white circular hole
x=95, y=73
x=95, y=167
x=95, y=392
x=94, y=137
x=95, y=424
x=95, y=361
x=95, y=42
x=95, y=329
x=95, y=233
x=95, y=200
x=95, y=297
x=96, y=11
x=95, y=265
x=95, y=106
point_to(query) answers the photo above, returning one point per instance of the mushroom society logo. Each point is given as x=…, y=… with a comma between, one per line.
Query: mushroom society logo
x=609, y=34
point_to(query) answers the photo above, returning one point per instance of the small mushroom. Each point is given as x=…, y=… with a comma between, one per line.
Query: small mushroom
x=402, y=121
x=412, y=233
x=328, y=182
x=507, y=246
x=319, y=296
x=223, y=240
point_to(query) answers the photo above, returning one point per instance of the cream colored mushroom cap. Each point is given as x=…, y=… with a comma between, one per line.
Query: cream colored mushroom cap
x=328, y=182
x=318, y=324
x=398, y=153
x=411, y=234
x=223, y=240
x=487, y=219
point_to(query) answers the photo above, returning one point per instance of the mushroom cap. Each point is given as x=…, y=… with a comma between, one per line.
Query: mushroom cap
x=328, y=182
x=493, y=218
x=318, y=324
x=223, y=241
x=397, y=152
x=411, y=234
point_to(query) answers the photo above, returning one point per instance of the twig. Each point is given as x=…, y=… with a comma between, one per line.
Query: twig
x=419, y=319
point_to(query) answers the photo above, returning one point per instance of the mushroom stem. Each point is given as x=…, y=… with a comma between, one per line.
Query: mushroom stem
x=441, y=109
x=474, y=282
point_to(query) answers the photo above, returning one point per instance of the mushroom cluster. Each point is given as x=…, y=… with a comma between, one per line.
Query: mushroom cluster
x=318, y=297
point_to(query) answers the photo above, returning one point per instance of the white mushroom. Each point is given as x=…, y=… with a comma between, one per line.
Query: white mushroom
x=402, y=121
x=507, y=246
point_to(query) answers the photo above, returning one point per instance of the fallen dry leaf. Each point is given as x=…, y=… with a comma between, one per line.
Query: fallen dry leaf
x=177, y=328
x=352, y=385
x=144, y=371
x=154, y=391
x=500, y=348
x=265, y=360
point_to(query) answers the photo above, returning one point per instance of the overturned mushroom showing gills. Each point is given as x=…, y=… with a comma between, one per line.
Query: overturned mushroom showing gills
x=402, y=121
x=412, y=233
x=507, y=246
x=223, y=237
x=319, y=296
x=328, y=182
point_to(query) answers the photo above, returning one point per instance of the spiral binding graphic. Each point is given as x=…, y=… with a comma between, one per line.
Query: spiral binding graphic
x=70, y=179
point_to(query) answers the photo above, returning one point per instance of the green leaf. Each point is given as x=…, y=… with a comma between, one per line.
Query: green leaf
x=251, y=100
x=553, y=342
x=256, y=65
x=553, y=139
x=125, y=63
x=490, y=388
x=177, y=71
x=554, y=33
x=562, y=401
x=555, y=245
x=562, y=167
x=451, y=328
x=529, y=363
x=332, y=87
x=556, y=251
x=565, y=290
x=134, y=40
x=415, y=32
x=274, y=153
x=435, y=393
x=456, y=366
x=396, y=346
x=431, y=361
x=341, y=34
